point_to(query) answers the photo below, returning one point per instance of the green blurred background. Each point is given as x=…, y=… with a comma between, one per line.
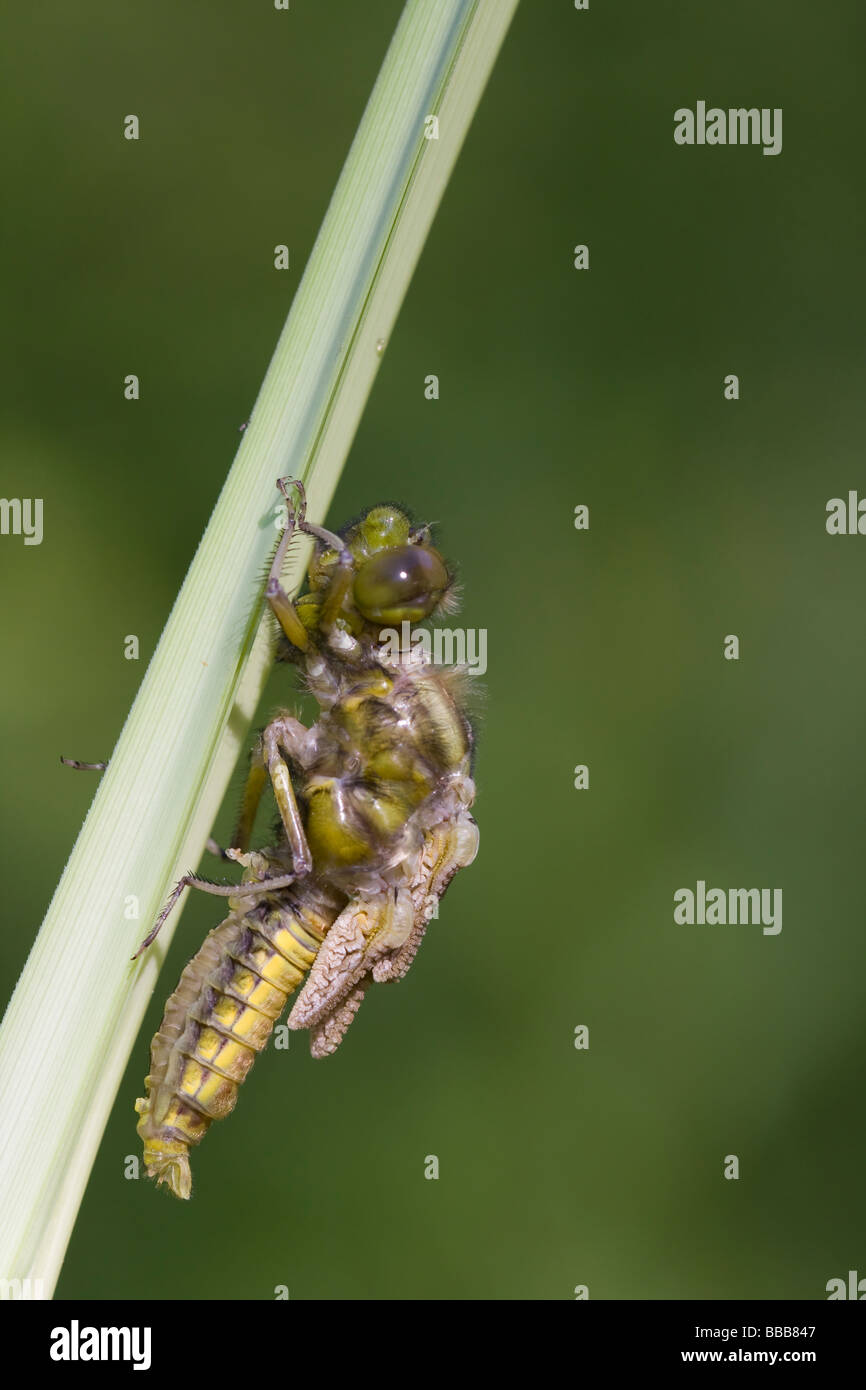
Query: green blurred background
x=557, y=1167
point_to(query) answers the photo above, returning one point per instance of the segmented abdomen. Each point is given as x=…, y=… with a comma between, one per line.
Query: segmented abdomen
x=220, y=1016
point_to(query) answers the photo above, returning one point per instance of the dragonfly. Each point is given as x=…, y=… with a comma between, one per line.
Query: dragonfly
x=374, y=821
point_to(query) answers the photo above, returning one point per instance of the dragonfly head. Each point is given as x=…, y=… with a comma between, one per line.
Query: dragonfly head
x=402, y=578
x=398, y=575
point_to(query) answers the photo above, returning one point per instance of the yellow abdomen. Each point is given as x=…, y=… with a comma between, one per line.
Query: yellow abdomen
x=219, y=1017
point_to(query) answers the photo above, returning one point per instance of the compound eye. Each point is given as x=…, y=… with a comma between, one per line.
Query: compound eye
x=404, y=583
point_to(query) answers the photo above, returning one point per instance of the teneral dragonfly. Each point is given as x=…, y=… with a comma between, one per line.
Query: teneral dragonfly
x=374, y=808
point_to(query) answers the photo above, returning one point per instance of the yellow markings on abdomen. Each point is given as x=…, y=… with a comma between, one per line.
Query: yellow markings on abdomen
x=219, y=1017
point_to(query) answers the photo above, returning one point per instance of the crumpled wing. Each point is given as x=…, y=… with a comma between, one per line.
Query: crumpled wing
x=379, y=934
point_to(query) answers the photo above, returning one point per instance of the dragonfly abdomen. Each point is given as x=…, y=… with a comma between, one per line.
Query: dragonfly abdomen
x=219, y=1018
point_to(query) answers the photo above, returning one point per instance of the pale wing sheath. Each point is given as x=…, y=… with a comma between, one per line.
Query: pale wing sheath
x=380, y=936
x=447, y=848
x=326, y=1036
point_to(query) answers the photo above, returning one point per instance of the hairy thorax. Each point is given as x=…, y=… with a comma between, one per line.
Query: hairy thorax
x=386, y=762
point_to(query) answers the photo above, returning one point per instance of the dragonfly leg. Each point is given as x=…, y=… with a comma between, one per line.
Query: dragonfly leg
x=255, y=784
x=281, y=605
x=288, y=735
x=257, y=888
x=341, y=583
x=283, y=735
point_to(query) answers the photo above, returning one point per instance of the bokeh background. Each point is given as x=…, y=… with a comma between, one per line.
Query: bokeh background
x=557, y=1167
